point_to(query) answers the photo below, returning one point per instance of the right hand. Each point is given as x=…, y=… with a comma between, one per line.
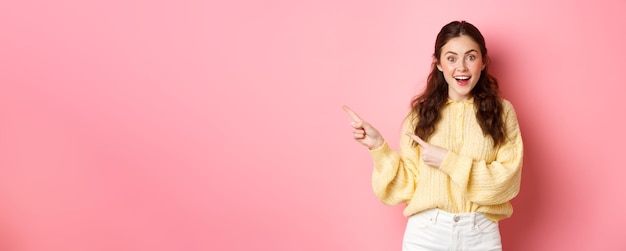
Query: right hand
x=364, y=133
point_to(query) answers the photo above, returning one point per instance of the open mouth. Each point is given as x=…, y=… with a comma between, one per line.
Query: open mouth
x=462, y=80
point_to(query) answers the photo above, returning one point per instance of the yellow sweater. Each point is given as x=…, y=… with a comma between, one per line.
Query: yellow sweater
x=474, y=176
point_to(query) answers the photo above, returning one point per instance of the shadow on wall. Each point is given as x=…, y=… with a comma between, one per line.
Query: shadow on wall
x=518, y=231
x=9, y=240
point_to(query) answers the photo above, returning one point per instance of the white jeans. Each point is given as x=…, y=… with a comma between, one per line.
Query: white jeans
x=436, y=229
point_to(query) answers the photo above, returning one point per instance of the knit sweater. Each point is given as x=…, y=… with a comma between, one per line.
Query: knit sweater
x=475, y=176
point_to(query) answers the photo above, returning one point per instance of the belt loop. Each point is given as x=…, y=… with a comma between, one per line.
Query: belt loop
x=474, y=220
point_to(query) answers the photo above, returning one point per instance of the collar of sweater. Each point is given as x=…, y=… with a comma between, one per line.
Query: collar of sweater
x=469, y=101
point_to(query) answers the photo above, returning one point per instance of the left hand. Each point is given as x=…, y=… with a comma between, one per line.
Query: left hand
x=431, y=155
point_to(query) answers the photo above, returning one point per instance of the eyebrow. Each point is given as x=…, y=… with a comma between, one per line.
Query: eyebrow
x=451, y=52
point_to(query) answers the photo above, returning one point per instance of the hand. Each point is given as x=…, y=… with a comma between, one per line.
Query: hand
x=431, y=155
x=364, y=133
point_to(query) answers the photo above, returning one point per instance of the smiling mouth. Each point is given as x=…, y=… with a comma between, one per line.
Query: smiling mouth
x=462, y=80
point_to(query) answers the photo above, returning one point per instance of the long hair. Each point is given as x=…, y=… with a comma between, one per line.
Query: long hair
x=427, y=106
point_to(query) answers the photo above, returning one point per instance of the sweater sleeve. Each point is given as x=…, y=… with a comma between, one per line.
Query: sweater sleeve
x=395, y=174
x=490, y=183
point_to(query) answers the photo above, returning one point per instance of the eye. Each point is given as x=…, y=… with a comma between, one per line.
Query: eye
x=471, y=57
x=451, y=59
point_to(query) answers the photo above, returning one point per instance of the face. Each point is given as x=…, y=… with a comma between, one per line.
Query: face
x=461, y=63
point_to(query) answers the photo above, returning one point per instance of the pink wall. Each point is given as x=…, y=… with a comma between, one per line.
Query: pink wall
x=193, y=125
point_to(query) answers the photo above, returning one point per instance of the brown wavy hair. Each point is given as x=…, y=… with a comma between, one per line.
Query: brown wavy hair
x=427, y=106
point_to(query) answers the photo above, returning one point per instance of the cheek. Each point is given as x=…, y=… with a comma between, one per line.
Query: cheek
x=444, y=67
x=479, y=68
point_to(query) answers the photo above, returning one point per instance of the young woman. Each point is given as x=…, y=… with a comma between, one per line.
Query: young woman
x=459, y=162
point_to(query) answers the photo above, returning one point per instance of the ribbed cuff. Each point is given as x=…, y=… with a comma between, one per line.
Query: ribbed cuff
x=456, y=165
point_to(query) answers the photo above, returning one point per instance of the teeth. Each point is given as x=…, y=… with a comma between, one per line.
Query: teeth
x=462, y=78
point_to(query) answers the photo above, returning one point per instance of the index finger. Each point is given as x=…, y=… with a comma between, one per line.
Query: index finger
x=417, y=139
x=352, y=113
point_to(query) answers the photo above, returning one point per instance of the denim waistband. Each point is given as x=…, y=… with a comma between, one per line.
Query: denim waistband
x=442, y=217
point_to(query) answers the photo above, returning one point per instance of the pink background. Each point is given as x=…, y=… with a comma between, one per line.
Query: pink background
x=192, y=125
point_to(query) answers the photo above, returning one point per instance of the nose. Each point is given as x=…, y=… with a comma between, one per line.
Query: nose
x=462, y=65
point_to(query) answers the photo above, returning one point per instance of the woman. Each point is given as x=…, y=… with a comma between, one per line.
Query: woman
x=459, y=164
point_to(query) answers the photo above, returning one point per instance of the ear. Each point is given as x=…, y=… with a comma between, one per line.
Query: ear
x=485, y=62
x=436, y=62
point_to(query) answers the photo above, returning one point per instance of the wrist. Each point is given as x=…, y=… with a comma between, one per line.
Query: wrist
x=377, y=145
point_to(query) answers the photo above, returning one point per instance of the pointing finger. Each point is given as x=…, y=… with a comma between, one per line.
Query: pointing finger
x=352, y=114
x=417, y=139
